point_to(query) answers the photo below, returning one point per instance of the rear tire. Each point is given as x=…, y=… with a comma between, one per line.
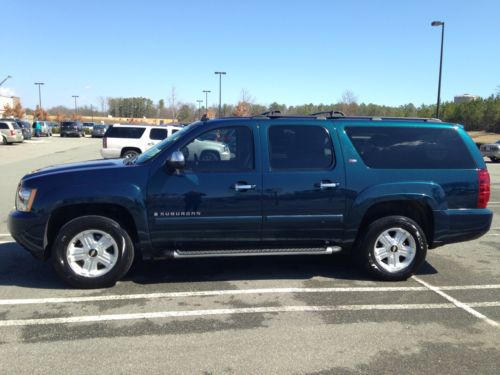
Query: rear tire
x=4, y=140
x=92, y=252
x=393, y=248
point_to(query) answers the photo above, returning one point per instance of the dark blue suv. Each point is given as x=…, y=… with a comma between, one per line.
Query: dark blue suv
x=384, y=189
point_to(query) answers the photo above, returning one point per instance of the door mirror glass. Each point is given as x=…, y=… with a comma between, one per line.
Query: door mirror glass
x=176, y=162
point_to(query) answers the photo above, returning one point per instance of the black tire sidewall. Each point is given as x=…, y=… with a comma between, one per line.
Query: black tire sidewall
x=367, y=245
x=75, y=226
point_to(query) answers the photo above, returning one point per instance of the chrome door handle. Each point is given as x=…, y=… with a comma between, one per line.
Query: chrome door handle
x=243, y=187
x=324, y=185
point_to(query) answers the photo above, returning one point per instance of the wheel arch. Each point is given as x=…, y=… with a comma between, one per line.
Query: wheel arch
x=62, y=215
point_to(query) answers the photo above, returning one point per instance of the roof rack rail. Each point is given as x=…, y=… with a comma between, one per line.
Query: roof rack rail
x=385, y=118
x=270, y=113
x=331, y=113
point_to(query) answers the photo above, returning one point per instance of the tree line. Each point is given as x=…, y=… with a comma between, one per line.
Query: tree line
x=479, y=114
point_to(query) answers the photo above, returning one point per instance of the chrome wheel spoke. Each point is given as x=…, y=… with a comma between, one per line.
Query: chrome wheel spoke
x=104, y=243
x=386, y=240
x=381, y=253
x=105, y=259
x=87, y=241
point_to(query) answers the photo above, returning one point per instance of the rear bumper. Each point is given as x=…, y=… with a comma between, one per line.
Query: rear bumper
x=28, y=230
x=460, y=225
x=72, y=132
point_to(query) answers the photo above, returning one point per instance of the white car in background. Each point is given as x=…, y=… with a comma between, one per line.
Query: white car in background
x=127, y=141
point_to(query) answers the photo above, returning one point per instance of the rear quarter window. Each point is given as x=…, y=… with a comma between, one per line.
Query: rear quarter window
x=119, y=132
x=410, y=147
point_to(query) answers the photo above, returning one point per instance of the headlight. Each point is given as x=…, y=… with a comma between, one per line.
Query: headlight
x=25, y=198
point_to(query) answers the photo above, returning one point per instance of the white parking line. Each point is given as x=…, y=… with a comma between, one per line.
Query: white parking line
x=52, y=300
x=245, y=310
x=457, y=303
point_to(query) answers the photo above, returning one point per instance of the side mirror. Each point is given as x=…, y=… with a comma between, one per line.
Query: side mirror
x=176, y=162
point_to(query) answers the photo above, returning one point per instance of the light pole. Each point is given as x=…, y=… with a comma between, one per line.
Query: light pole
x=199, y=107
x=76, y=110
x=39, y=84
x=206, y=100
x=220, y=90
x=439, y=23
x=5, y=79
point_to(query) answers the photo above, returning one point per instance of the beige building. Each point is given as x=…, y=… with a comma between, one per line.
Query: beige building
x=7, y=100
x=465, y=98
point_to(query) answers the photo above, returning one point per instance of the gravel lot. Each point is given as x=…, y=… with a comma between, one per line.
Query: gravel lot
x=315, y=315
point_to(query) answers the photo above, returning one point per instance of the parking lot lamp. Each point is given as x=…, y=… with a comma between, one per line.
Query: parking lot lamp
x=206, y=99
x=5, y=79
x=76, y=108
x=199, y=107
x=439, y=23
x=220, y=90
x=39, y=84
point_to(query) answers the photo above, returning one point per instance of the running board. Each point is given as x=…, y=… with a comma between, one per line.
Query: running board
x=255, y=252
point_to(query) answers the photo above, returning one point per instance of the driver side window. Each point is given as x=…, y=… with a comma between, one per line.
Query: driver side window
x=229, y=149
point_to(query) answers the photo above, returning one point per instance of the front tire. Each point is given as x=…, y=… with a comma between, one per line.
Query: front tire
x=92, y=252
x=393, y=248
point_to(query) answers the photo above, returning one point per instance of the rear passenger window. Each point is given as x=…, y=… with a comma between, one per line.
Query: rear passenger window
x=158, y=134
x=119, y=132
x=300, y=147
x=3, y=125
x=410, y=148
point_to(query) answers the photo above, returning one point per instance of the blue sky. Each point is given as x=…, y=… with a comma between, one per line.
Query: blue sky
x=292, y=52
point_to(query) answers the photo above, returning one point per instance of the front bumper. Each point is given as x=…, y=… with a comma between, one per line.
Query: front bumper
x=28, y=230
x=72, y=132
x=460, y=225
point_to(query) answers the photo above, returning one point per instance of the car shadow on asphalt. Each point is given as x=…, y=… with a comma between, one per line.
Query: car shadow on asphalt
x=19, y=268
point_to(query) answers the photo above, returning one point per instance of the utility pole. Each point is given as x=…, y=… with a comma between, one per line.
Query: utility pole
x=199, y=107
x=220, y=91
x=76, y=108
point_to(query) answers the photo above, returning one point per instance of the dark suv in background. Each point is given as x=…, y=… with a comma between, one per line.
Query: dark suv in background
x=25, y=127
x=72, y=128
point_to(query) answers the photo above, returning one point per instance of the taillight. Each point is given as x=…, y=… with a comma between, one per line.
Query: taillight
x=484, y=188
x=13, y=132
x=104, y=142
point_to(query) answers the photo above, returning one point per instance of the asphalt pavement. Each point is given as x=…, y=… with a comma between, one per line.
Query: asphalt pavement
x=263, y=315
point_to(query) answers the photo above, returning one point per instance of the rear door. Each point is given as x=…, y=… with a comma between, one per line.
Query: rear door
x=303, y=183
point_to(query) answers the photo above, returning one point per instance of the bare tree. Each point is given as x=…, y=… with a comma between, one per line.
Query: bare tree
x=102, y=102
x=245, y=96
x=348, y=102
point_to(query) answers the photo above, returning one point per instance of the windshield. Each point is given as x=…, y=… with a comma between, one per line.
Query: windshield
x=156, y=149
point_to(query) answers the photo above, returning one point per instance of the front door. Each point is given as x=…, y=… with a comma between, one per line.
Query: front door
x=304, y=184
x=216, y=200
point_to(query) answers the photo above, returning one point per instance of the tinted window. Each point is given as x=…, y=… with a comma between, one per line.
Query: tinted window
x=300, y=147
x=158, y=134
x=67, y=124
x=410, y=148
x=175, y=131
x=119, y=132
x=221, y=150
x=3, y=125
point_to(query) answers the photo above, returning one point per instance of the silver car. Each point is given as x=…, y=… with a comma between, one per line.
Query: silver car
x=11, y=132
x=491, y=151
